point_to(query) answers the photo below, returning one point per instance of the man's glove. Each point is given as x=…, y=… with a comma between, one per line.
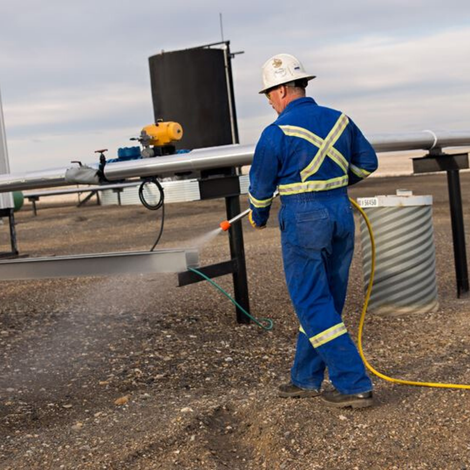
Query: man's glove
x=253, y=223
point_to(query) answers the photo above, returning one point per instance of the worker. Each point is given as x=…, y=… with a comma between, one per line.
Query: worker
x=310, y=154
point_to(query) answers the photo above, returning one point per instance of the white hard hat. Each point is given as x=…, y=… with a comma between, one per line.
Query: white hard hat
x=281, y=69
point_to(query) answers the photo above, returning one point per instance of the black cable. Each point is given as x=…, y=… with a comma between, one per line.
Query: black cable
x=154, y=207
x=161, y=229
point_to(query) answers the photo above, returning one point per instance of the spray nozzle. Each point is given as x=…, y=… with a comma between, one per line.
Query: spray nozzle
x=226, y=224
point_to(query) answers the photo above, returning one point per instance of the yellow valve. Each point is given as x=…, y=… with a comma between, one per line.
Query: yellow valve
x=163, y=133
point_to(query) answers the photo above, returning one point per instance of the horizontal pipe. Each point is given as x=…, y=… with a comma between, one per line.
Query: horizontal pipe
x=197, y=160
x=220, y=157
x=33, y=180
x=424, y=140
x=81, y=189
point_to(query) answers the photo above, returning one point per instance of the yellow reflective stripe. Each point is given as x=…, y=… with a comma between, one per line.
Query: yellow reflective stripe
x=302, y=330
x=338, y=158
x=359, y=171
x=300, y=132
x=295, y=131
x=315, y=185
x=260, y=203
x=330, y=140
x=328, y=335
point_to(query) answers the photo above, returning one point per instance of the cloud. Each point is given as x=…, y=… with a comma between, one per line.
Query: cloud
x=388, y=84
x=71, y=107
x=75, y=74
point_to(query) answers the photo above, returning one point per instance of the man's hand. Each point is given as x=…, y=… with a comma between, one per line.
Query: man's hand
x=253, y=223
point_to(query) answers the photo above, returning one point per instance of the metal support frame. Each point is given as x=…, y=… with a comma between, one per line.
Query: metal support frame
x=13, y=241
x=213, y=270
x=458, y=232
x=452, y=164
x=34, y=200
x=88, y=197
x=118, y=192
x=226, y=185
x=237, y=252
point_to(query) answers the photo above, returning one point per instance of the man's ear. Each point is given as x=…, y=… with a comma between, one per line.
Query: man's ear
x=283, y=90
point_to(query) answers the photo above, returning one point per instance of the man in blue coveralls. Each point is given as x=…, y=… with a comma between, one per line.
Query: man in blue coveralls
x=310, y=154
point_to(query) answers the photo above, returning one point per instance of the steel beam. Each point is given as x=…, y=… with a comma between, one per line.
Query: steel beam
x=100, y=264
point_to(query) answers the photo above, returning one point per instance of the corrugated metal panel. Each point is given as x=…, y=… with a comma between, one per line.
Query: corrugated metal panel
x=244, y=184
x=175, y=191
x=405, y=273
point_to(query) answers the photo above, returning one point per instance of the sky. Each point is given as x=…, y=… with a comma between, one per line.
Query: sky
x=74, y=76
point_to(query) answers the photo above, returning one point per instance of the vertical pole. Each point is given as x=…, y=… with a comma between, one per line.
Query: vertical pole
x=237, y=252
x=14, y=245
x=233, y=110
x=458, y=232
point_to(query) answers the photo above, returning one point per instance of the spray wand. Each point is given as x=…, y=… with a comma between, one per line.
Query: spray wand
x=226, y=224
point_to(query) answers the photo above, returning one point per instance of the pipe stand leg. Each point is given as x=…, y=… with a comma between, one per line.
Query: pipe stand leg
x=237, y=252
x=458, y=232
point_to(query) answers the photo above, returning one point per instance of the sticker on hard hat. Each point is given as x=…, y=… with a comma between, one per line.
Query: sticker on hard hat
x=277, y=63
x=280, y=73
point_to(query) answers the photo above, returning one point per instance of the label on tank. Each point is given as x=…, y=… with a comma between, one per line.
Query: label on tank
x=368, y=201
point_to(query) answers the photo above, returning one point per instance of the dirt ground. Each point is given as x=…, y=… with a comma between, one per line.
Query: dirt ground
x=136, y=373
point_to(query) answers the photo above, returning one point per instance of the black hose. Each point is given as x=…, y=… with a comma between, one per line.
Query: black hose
x=154, y=207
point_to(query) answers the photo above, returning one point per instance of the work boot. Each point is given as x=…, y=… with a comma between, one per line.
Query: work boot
x=336, y=399
x=292, y=391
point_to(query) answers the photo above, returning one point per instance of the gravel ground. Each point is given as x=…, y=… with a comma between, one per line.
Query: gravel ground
x=136, y=373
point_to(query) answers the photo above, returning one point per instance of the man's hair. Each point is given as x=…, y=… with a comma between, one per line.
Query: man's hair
x=297, y=87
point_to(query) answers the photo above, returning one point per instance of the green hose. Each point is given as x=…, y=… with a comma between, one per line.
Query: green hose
x=268, y=323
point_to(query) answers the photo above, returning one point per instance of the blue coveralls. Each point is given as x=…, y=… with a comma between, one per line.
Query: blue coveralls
x=311, y=154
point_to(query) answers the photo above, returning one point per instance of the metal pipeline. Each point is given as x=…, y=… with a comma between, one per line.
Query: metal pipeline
x=424, y=140
x=196, y=160
x=218, y=157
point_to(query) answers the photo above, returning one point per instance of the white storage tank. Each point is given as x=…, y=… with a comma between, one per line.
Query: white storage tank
x=405, y=272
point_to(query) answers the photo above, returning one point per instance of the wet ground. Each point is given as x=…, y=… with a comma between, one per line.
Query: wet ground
x=136, y=373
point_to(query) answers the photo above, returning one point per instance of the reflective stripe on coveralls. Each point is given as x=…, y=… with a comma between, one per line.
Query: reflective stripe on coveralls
x=325, y=148
x=330, y=140
x=337, y=157
x=359, y=171
x=260, y=203
x=327, y=335
x=308, y=186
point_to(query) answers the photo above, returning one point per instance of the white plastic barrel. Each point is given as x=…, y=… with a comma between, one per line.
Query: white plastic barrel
x=405, y=272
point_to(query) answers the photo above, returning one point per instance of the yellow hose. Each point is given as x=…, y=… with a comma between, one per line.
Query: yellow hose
x=363, y=316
